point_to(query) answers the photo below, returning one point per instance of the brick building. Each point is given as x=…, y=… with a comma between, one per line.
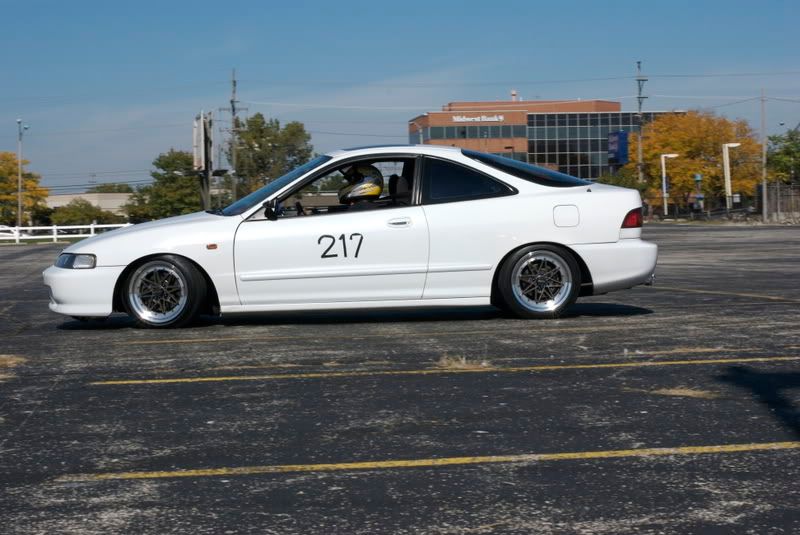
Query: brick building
x=567, y=135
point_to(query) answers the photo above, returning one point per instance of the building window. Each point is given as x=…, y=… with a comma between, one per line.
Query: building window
x=437, y=132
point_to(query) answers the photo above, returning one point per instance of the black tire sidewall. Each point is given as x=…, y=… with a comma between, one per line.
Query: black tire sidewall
x=195, y=292
x=504, y=282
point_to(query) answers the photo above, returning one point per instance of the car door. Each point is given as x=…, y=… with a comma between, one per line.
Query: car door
x=470, y=227
x=374, y=255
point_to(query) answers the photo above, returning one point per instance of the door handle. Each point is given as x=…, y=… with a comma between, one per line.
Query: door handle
x=399, y=222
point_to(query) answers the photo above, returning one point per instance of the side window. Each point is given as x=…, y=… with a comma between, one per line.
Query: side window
x=369, y=184
x=445, y=181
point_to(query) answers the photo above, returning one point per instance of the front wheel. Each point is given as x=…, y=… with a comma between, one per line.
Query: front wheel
x=539, y=281
x=164, y=292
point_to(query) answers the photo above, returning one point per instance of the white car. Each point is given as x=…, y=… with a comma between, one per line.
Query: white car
x=371, y=227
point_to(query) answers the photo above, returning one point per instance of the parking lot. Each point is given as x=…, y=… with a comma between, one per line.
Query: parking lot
x=671, y=409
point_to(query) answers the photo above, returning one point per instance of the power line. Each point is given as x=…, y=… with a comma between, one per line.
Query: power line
x=337, y=107
x=89, y=173
x=105, y=130
x=725, y=74
x=44, y=98
x=412, y=108
x=784, y=99
x=700, y=97
x=93, y=182
x=357, y=134
x=323, y=106
x=523, y=82
x=441, y=84
x=143, y=181
x=731, y=103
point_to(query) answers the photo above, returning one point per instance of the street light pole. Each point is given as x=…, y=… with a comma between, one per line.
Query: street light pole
x=726, y=169
x=664, y=179
x=20, y=131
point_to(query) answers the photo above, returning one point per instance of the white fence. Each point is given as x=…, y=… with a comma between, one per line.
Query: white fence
x=54, y=233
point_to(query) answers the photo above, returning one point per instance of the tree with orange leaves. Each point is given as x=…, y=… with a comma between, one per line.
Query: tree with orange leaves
x=33, y=194
x=697, y=138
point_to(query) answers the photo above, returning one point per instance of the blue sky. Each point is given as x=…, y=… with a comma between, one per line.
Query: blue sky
x=107, y=86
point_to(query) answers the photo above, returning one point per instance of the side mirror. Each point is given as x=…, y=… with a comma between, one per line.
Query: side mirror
x=269, y=210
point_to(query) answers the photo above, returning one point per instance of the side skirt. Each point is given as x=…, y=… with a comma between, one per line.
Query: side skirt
x=355, y=305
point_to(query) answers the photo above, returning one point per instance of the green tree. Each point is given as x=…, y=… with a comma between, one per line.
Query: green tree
x=175, y=189
x=81, y=212
x=783, y=156
x=33, y=195
x=110, y=188
x=266, y=151
x=626, y=177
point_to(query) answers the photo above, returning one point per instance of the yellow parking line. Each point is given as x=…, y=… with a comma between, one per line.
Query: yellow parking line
x=434, y=462
x=442, y=371
x=720, y=292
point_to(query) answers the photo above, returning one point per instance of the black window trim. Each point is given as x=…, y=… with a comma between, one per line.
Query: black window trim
x=331, y=166
x=420, y=181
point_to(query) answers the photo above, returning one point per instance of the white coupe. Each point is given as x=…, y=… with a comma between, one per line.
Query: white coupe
x=372, y=227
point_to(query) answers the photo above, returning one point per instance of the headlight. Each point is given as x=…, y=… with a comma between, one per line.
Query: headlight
x=76, y=261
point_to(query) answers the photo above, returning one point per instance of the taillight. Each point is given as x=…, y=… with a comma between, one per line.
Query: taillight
x=633, y=219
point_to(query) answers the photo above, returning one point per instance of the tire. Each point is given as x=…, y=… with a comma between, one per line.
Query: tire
x=539, y=281
x=166, y=291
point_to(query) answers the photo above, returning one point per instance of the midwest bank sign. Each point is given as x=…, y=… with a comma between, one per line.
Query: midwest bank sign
x=478, y=119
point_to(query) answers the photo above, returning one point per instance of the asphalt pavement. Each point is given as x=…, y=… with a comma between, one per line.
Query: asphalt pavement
x=665, y=409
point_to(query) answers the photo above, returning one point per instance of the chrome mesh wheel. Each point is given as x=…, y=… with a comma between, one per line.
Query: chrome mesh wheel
x=541, y=281
x=157, y=292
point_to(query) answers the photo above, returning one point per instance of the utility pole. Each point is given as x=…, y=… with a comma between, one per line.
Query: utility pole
x=234, y=131
x=763, y=158
x=20, y=131
x=219, y=161
x=640, y=80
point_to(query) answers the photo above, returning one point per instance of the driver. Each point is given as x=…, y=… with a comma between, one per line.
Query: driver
x=364, y=183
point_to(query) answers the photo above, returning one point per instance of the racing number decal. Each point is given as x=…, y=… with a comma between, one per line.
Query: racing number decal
x=332, y=242
x=360, y=241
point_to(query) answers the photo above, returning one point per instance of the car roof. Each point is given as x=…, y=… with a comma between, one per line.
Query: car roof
x=382, y=149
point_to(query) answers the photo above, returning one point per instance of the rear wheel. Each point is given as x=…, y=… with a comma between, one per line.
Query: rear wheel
x=164, y=292
x=539, y=281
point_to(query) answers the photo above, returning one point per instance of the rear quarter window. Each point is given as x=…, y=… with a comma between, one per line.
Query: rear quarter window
x=525, y=171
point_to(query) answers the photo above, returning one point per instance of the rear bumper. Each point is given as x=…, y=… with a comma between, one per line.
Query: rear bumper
x=82, y=292
x=619, y=265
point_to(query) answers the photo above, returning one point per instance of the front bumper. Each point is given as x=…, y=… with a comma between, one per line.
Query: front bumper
x=82, y=292
x=619, y=265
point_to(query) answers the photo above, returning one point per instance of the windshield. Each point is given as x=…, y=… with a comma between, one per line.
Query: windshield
x=261, y=194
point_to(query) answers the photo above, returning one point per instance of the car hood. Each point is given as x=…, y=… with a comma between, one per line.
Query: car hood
x=118, y=247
